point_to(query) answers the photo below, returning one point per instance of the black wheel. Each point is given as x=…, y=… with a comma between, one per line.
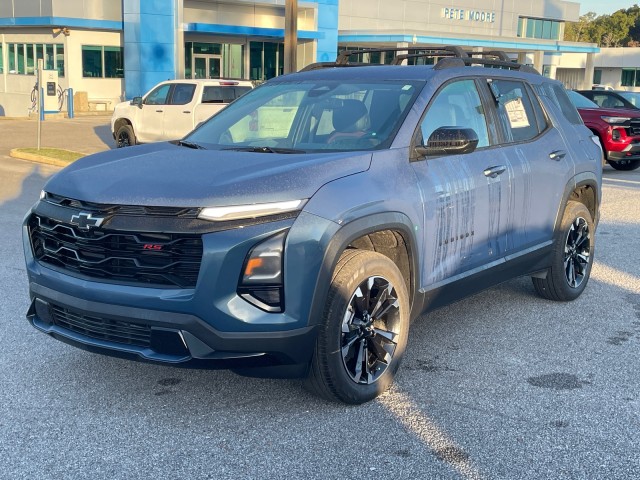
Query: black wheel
x=125, y=136
x=625, y=164
x=572, y=256
x=364, y=329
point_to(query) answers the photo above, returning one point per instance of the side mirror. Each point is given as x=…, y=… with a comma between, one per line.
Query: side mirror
x=449, y=141
x=137, y=101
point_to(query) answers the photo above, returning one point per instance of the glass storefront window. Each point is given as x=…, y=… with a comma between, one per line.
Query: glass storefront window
x=102, y=62
x=207, y=48
x=49, y=59
x=1, y=59
x=538, y=28
x=113, y=62
x=255, y=61
x=12, y=58
x=30, y=59
x=597, y=76
x=20, y=55
x=91, y=61
x=628, y=77
x=60, y=59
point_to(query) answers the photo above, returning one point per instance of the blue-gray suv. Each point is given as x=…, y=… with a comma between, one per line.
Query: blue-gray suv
x=300, y=230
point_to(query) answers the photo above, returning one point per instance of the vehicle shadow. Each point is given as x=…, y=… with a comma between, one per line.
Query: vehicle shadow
x=103, y=132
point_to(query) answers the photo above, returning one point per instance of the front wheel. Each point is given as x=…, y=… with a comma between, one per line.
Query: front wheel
x=572, y=256
x=364, y=329
x=125, y=137
x=625, y=165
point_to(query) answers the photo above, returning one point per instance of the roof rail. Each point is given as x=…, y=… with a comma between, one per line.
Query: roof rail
x=454, y=56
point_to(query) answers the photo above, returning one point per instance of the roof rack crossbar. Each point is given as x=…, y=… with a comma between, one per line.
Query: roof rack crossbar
x=461, y=62
x=343, y=58
x=452, y=56
x=499, y=54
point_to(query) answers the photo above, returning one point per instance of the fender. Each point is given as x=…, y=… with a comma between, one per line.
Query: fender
x=582, y=179
x=347, y=234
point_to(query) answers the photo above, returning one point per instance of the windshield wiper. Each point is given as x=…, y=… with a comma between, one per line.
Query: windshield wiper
x=187, y=144
x=265, y=149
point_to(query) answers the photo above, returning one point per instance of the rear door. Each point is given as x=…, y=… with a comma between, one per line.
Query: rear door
x=539, y=161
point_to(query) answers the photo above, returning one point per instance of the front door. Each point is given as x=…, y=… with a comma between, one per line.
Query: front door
x=465, y=196
x=206, y=66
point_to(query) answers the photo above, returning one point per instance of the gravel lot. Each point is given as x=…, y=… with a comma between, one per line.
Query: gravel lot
x=502, y=385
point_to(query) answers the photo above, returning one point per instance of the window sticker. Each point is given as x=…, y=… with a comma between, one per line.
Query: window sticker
x=516, y=113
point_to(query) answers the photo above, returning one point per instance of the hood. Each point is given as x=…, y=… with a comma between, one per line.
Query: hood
x=613, y=112
x=163, y=174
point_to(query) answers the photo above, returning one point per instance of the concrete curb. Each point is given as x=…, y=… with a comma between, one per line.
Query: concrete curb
x=15, y=153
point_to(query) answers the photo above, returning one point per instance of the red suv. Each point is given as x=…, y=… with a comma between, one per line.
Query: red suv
x=617, y=128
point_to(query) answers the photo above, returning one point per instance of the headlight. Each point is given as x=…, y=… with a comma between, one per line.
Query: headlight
x=43, y=194
x=262, y=282
x=615, y=120
x=237, y=212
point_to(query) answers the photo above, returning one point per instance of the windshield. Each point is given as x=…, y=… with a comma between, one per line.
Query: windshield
x=633, y=97
x=581, y=102
x=296, y=117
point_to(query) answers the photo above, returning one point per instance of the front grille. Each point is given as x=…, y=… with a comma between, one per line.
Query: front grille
x=152, y=259
x=102, y=328
x=634, y=128
x=106, y=210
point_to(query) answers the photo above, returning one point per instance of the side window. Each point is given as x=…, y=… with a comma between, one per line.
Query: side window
x=559, y=94
x=158, y=96
x=457, y=105
x=218, y=95
x=182, y=93
x=515, y=110
x=607, y=101
x=541, y=119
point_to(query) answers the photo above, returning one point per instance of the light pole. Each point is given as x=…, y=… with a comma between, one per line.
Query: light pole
x=290, y=35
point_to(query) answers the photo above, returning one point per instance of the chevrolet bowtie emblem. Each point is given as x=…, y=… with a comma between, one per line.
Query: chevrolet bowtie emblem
x=85, y=221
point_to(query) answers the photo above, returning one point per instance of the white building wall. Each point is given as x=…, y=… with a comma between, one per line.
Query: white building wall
x=416, y=16
x=15, y=90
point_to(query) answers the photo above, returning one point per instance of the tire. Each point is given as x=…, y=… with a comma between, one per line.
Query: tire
x=625, y=165
x=125, y=137
x=572, y=256
x=357, y=354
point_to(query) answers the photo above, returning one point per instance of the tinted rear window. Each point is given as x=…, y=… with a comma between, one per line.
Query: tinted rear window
x=223, y=93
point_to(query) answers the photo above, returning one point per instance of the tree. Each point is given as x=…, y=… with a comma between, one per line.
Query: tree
x=579, y=31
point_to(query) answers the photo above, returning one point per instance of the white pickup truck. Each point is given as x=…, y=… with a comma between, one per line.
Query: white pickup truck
x=172, y=109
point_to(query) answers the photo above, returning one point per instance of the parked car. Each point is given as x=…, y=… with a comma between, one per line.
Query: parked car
x=613, y=99
x=301, y=229
x=172, y=109
x=617, y=129
x=598, y=86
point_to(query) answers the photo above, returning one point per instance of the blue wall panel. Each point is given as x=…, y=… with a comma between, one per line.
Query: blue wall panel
x=328, y=26
x=149, y=44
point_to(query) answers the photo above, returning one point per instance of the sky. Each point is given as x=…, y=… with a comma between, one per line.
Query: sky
x=604, y=7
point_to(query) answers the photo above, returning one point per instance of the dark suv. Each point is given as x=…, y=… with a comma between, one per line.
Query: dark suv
x=301, y=229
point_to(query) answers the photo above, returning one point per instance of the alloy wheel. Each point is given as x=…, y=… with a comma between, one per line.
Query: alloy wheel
x=370, y=330
x=577, y=252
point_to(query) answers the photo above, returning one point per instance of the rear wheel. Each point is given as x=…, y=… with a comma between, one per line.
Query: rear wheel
x=572, y=256
x=625, y=164
x=364, y=329
x=125, y=137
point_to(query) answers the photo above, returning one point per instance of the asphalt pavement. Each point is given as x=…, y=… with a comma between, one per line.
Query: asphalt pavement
x=502, y=385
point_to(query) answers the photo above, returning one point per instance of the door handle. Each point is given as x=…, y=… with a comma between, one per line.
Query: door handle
x=493, y=172
x=186, y=111
x=158, y=111
x=557, y=155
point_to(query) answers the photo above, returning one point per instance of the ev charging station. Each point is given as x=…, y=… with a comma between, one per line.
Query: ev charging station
x=50, y=91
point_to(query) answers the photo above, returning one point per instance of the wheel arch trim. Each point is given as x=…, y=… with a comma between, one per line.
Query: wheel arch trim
x=346, y=235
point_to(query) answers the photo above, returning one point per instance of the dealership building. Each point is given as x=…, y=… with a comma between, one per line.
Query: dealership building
x=110, y=50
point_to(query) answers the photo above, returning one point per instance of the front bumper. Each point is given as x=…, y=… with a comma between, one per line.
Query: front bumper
x=172, y=338
x=208, y=326
x=630, y=152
